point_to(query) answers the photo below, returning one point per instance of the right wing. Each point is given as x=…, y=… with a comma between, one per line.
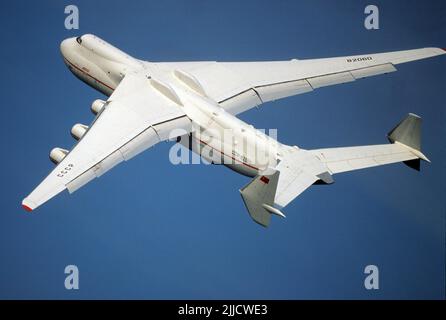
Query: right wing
x=134, y=118
x=239, y=86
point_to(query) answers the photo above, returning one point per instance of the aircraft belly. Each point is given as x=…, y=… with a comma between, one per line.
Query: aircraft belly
x=243, y=169
x=213, y=152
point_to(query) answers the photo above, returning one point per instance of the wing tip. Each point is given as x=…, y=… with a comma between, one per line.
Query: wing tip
x=438, y=50
x=27, y=206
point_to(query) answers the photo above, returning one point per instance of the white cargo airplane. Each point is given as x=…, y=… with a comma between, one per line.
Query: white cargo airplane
x=147, y=100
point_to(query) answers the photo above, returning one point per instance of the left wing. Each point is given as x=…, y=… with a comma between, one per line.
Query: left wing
x=134, y=118
x=239, y=86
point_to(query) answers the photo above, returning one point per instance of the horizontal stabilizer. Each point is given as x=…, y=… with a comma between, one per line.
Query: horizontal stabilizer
x=405, y=147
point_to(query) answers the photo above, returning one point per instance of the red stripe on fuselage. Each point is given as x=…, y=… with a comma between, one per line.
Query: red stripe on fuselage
x=86, y=73
x=246, y=164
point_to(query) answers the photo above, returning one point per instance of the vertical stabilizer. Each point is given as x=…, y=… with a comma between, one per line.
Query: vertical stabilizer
x=258, y=196
x=408, y=133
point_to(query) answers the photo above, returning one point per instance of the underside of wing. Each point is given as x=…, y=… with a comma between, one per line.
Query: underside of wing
x=239, y=86
x=134, y=118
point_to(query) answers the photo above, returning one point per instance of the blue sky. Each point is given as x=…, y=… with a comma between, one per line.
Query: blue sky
x=151, y=230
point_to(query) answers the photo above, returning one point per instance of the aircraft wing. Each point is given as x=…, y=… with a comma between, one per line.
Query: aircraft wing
x=134, y=118
x=239, y=86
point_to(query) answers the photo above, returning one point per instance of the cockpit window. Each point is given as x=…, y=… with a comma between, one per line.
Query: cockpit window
x=79, y=40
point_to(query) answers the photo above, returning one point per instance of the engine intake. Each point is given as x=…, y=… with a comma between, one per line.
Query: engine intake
x=97, y=106
x=57, y=155
x=78, y=130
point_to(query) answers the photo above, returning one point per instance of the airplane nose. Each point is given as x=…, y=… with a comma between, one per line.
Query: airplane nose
x=67, y=46
x=64, y=47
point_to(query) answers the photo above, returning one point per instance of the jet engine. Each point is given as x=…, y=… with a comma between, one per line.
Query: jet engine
x=97, y=106
x=78, y=130
x=57, y=155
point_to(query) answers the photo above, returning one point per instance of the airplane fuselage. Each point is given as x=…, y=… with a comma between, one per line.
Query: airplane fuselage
x=219, y=137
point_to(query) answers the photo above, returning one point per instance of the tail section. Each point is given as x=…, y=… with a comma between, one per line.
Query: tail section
x=258, y=197
x=299, y=169
x=267, y=194
x=408, y=133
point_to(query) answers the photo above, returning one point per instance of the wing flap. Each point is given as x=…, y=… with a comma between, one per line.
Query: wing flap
x=81, y=180
x=242, y=101
x=282, y=90
x=139, y=143
x=373, y=71
x=330, y=79
x=96, y=171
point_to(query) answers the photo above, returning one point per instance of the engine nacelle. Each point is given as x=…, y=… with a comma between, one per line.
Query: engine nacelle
x=97, y=106
x=78, y=130
x=57, y=155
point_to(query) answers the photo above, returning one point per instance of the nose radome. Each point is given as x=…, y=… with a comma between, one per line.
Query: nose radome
x=65, y=46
